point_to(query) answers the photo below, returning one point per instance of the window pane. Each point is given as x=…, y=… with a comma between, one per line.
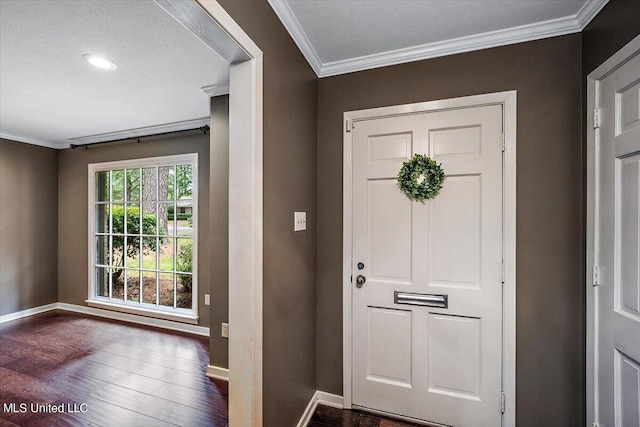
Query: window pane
x=117, y=218
x=117, y=185
x=133, y=285
x=165, y=221
x=149, y=245
x=149, y=220
x=102, y=282
x=184, y=208
x=133, y=252
x=149, y=292
x=102, y=250
x=149, y=184
x=117, y=284
x=133, y=185
x=117, y=251
x=166, y=183
x=102, y=218
x=185, y=285
x=166, y=289
x=166, y=254
x=133, y=219
x=184, y=181
x=184, y=260
x=102, y=186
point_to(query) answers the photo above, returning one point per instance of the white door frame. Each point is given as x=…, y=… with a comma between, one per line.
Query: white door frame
x=508, y=100
x=245, y=207
x=618, y=59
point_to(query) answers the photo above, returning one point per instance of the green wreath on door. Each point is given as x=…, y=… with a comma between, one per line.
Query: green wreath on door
x=421, y=178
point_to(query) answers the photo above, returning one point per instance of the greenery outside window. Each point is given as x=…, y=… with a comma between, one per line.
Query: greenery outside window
x=143, y=235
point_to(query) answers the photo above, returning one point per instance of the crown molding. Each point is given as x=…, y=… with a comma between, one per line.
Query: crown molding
x=540, y=30
x=216, y=90
x=33, y=141
x=284, y=12
x=140, y=132
x=589, y=11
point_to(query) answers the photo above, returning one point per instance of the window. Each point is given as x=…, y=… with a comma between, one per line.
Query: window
x=143, y=235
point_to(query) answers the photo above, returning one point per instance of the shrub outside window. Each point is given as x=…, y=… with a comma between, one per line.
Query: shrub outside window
x=143, y=234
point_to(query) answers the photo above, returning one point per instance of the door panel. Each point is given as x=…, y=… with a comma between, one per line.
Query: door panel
x=462, y=142
x=454, y=367
x=389, y=148
x=618, y=249
x=435, y=364
x=628, y=301
x=627, y=390
x=455, y=237
x=390, y=346
x=390, y=231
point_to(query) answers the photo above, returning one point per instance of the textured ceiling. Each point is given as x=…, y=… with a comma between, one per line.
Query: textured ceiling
x=347, y=35
x=49, y=94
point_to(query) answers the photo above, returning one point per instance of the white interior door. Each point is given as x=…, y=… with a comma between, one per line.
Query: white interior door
x=617, y=249
x=441, y=365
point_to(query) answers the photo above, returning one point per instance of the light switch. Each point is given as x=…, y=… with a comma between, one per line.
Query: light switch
x=299, y=221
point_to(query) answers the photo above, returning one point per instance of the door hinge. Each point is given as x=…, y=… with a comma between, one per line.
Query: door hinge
x=503, y=402
x=596, y=275
x=503, y=142
x=502, y=273
x=348, y=125
x=596, y=118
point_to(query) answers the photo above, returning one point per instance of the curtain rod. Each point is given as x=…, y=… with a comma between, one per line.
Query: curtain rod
x=204, y=129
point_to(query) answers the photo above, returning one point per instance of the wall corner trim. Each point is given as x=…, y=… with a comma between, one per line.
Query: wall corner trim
x=319, y=398
x=218, y=373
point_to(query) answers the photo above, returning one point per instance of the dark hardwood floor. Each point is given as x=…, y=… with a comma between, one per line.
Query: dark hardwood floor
x=105, y=373
x=325, y=416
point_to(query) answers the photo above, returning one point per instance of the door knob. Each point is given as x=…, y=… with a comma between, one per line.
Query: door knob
x=360, y=280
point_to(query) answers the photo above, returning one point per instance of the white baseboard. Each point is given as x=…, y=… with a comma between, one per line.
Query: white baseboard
x=28, y=312
x=108, y=314
x=319, y=398
x=218, y=373
x=329, y=399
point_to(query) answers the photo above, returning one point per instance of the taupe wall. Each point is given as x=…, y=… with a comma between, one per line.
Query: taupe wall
x=219, y=229
x=72, y=208
x=546, y=75
x=290, y=123
x=616, y=24
x=28, y=226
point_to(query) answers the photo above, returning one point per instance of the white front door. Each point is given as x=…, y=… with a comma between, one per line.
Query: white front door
x=617, y=247
x=441, y=365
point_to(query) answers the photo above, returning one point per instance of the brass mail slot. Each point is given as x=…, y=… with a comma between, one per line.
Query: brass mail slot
x=426, y=300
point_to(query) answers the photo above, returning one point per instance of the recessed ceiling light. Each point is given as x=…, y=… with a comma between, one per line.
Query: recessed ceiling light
x=100, y=62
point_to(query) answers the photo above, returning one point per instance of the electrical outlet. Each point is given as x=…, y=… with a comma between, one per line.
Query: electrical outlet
x=207, y=299
x=225, y=330
x=299, y=221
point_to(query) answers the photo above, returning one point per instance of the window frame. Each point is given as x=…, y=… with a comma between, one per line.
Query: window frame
x=157, y=311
